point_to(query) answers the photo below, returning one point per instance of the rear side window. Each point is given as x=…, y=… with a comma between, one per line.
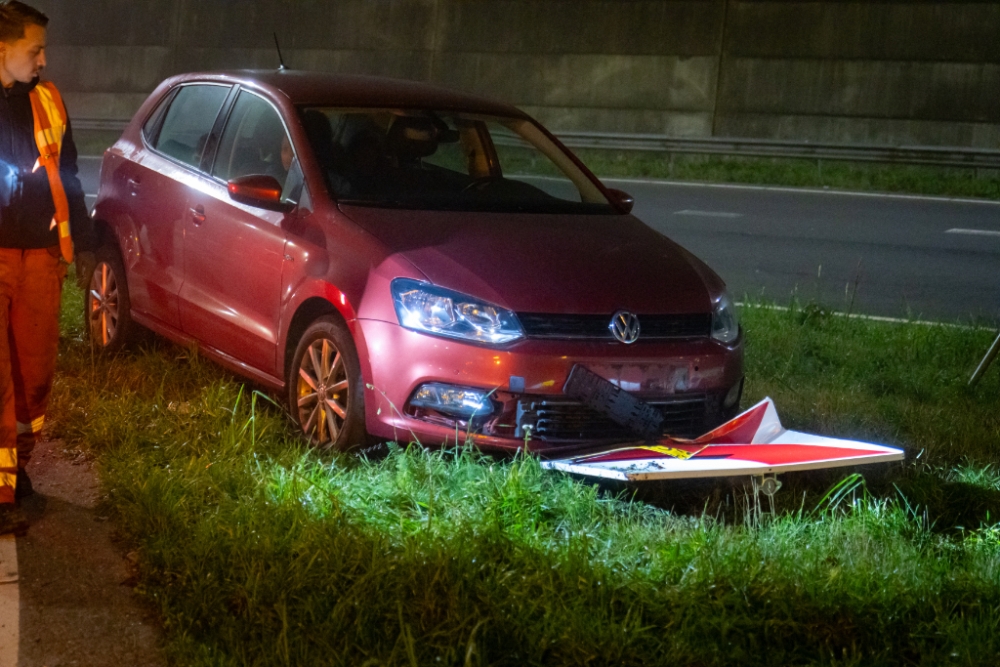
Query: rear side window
x=188, y=122
x=151, y=128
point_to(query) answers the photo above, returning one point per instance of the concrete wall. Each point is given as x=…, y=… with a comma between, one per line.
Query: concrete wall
x=868, y=72
x=873, y=72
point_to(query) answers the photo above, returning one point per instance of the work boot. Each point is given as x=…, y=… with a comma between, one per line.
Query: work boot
x=23, y=489
x=12, y=520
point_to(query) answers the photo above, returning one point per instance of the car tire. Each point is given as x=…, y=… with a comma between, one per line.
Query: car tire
x=325, y=365
x=107, y=315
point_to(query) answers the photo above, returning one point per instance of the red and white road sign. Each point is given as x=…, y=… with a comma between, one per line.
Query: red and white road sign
x=753, y=443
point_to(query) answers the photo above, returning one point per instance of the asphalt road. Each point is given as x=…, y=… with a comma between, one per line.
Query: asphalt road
x=895, y=256
x=889, y=255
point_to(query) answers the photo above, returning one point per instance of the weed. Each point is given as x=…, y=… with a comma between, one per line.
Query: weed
x=258, y=550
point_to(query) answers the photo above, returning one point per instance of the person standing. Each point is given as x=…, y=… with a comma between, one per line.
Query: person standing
x=42, y=215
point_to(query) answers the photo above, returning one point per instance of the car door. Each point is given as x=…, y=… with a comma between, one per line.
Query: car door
x=233, y=252
x=156, y=185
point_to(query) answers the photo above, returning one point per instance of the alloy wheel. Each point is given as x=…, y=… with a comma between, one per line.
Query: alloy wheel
x=323, y=390
x=103, y=312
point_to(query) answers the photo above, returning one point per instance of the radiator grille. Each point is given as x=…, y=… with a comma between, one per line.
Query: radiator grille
x=566, y=419
x=652, y=327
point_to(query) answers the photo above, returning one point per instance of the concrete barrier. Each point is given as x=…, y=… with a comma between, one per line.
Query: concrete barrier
x=895, y=73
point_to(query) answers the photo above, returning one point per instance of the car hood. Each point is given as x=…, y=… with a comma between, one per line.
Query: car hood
x=546, y=263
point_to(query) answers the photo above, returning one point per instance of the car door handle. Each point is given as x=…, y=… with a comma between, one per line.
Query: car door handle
x=198, y=214
x=133, y=185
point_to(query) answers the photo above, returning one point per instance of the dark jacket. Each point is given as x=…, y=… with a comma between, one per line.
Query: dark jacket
x=26, y=206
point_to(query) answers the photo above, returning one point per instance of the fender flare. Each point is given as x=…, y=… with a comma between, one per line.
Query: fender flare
x=313, y=299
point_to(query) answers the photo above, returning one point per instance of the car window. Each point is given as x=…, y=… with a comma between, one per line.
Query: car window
x=522, y=161
x=254, y=142
x=151, y=128
x=188, y=122
x=446, y=160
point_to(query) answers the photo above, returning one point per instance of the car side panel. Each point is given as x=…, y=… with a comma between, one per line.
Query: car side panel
x=233, y=260
x=153, y=190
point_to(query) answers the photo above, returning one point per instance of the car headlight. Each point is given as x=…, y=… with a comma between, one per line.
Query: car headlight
x=439, y=311
x=461, y=402
x=725, y=320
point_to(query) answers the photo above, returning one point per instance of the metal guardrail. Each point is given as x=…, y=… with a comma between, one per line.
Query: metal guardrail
x=940, y=156
x=100, y=124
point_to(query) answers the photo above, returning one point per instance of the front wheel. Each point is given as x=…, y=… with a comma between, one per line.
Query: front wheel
x=325, y=389
x=106, y=304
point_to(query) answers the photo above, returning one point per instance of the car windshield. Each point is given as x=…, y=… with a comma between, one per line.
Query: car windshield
x=446, y=161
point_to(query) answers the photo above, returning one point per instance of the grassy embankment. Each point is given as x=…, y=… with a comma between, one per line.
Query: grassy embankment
x=839, y=175
x=258, y=551
x=859, y=176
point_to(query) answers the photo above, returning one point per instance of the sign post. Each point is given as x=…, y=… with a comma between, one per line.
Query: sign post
x=987, y=360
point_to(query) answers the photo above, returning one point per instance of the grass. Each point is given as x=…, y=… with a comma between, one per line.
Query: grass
x=902, y=384
x=841, y=175
x=257, y=550
x=94, y=142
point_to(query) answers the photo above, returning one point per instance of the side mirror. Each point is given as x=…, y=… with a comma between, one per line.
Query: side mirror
x=258, y=190
x=622, y=198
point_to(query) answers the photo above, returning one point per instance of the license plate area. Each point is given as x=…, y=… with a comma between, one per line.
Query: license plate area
x=604, y=397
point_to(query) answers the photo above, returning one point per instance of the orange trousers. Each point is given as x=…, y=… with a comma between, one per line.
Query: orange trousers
x=30, y=289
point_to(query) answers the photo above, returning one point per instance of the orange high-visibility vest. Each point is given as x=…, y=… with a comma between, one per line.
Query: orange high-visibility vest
x=50, y=126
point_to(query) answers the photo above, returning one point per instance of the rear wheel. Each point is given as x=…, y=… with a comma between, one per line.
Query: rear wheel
x=325, y=389
x=106, y=304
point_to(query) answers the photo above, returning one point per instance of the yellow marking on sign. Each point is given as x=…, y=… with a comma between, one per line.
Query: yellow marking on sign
x=672, y=452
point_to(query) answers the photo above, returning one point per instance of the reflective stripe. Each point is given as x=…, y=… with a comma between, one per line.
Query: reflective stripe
x=8, y=478
x=50, y=134
x=8, y=458
x=49, y=114
x=35, y=426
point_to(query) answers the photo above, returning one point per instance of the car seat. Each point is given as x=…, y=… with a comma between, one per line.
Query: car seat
x=411, y=138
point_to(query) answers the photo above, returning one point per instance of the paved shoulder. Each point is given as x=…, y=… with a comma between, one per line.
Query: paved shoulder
x=74, y=608
x=881, y=254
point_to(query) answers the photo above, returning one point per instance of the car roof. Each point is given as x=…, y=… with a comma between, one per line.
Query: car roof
x=351, y=90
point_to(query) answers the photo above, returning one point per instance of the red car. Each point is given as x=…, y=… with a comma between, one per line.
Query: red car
x=402, y=262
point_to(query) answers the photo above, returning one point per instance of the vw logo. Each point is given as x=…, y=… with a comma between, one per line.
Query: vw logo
x=625, y=327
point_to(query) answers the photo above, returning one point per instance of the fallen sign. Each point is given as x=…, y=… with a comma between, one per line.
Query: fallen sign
x=753, y=443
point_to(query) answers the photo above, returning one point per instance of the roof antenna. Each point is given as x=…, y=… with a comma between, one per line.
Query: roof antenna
x=281, y=60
